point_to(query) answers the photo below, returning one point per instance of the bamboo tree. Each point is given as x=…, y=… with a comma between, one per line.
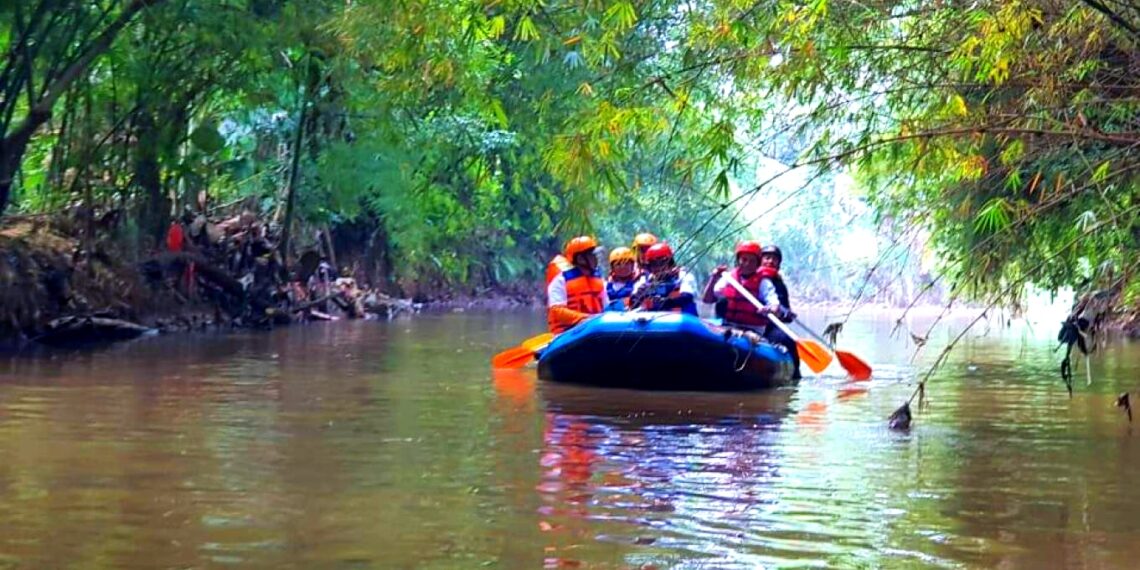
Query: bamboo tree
x=53, y=43
x=307, y=88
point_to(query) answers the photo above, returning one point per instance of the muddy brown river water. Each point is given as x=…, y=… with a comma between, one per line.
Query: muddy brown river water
x=393, y=445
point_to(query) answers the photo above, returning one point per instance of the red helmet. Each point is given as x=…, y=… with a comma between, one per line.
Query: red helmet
x=748, y=246
x=659, y=251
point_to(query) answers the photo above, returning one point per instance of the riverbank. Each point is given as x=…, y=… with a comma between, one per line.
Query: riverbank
x=54, y=282
x=58, y=287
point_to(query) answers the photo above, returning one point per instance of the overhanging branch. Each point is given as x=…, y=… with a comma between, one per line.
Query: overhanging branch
x=1113, y=16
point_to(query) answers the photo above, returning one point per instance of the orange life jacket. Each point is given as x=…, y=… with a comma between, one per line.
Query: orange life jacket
x=583, y=294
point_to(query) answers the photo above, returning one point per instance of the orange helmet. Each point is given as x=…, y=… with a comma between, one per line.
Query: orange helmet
x=580, y=244
x=658, y=252
x=620, y=254
x=748, y=246
x=644, y=239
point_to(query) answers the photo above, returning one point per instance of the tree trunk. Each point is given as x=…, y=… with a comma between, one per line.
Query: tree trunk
x=294, y=176
x=155, y=207
x=10, y=159
x=329, y=246
x=378, y=257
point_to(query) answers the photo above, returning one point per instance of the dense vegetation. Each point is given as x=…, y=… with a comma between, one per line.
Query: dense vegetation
x=461, y=141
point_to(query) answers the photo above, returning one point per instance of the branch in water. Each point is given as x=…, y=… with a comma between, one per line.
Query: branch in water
x=921, y=388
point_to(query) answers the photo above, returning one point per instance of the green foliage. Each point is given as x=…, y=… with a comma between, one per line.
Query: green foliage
x=993, y=217
x=207, y=139
x=476, y=136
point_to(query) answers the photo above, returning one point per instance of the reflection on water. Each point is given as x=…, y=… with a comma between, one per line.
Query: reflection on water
x=392, y=445
x=682, y=475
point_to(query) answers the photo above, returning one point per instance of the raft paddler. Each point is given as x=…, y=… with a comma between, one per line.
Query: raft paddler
x=641, y=244
x=578, y=292
x=666, y=286
x=758, y=270
x=619, y=284
x=770, y=260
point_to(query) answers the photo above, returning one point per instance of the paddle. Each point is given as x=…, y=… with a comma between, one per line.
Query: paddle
x=855, y=366
x=815, y=356
x=539, y=342
x=519, y=356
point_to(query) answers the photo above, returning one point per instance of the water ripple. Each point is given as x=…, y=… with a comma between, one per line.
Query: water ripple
x=387, y=445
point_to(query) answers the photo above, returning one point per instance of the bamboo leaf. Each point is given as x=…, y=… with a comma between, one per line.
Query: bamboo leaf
x=1013, y=152
x=573, y=59
x=499, y=113
x=496, y=26
x=621, y=15
x=1101, y=172
x=526, y=30
x=1086, y=220
x=958, y=105
x=720, y=186
x=993, y=217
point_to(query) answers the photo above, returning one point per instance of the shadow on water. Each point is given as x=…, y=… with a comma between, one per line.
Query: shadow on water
x=635, y=408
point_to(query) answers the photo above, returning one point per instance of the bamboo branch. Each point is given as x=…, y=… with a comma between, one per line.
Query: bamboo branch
x=1113, y=16
x=997, y=299
x=41, y=111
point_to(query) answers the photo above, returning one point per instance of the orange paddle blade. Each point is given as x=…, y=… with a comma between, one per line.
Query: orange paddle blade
x=537, y=343
x=814, y=355
x=516, y=357
x=854, y=365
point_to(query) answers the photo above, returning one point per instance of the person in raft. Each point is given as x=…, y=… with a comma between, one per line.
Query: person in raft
x=577, y=292
x=641, y=244
x=666, y=287
x=619, y=284
x=758, y=270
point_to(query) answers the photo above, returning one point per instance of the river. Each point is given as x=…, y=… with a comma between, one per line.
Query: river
x=393, y=445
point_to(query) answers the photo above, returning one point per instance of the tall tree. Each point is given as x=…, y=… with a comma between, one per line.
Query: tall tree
x=51, y=44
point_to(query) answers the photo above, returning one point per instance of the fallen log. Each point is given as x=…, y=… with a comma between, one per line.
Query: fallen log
x=385, y=306
x=310, y=304
x=76, y=330
x=202, y=266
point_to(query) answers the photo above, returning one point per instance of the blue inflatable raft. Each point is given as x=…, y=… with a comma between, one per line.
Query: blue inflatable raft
x=662, y=351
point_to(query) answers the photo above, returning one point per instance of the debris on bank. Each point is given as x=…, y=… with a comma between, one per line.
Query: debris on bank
x=56, y=287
